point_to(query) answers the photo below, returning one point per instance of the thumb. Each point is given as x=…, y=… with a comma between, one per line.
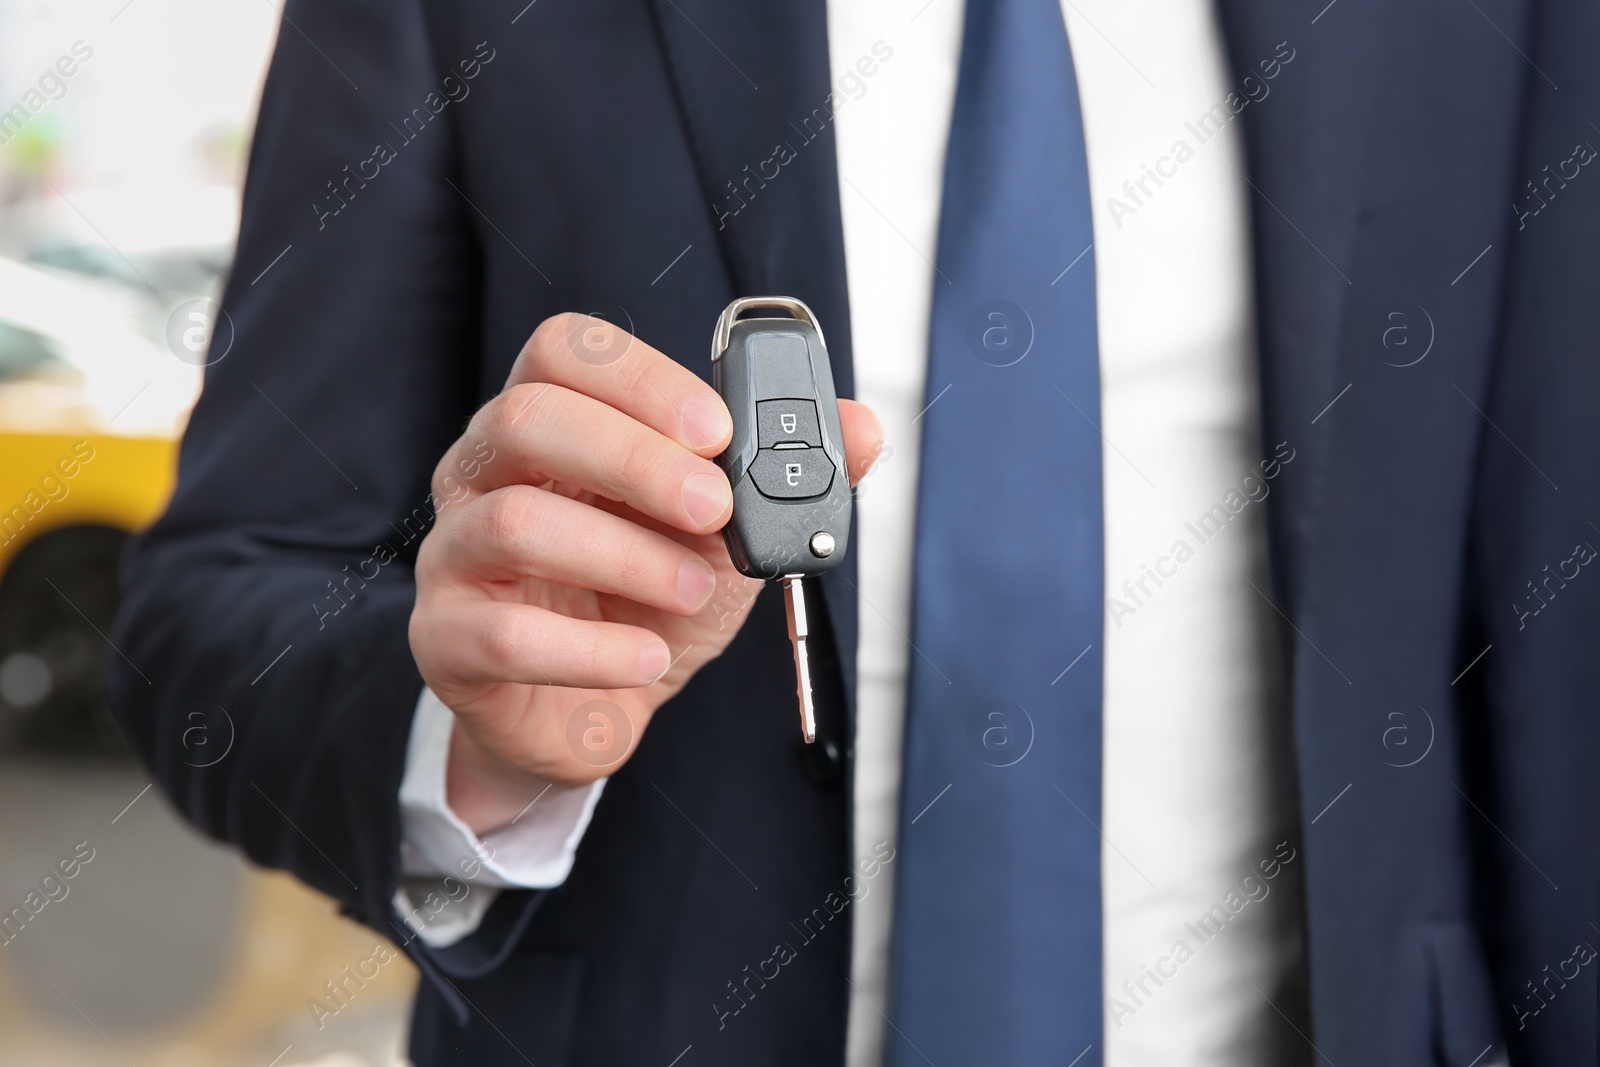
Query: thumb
x=863, y=438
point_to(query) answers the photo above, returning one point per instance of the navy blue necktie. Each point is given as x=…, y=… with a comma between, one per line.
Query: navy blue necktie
x=997, y=928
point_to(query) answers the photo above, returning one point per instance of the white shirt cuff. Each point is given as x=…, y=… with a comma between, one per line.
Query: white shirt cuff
x=452, y=876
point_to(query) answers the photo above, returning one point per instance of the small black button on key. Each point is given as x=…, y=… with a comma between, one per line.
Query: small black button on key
x=791, y=506
x=792, y=473
x=787, y=423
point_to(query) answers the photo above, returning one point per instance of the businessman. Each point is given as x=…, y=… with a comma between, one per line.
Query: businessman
x=1210, y=680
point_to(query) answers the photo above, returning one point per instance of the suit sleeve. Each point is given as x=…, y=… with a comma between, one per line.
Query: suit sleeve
x=272, y=599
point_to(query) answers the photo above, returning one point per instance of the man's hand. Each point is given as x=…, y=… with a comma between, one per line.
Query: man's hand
x=580, y=562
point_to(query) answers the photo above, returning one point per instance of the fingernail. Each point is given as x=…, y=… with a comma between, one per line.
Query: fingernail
x=705, y=497
x=653, y=660
x=696, y=579
x=705, y=422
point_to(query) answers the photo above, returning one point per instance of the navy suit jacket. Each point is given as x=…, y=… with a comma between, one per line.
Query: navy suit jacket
x=431, y=179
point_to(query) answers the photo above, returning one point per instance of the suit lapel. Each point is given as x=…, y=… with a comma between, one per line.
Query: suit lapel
x=1381, y=166
x=1350, y=197
x=1305, y=161
x=753, y=87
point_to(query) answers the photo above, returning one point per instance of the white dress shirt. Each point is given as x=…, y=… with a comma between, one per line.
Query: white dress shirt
x=1197, y=760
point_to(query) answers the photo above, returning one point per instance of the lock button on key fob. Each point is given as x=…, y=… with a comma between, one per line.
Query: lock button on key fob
x=787, y=423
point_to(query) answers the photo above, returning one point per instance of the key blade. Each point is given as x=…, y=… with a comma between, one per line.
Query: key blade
x=794, y=602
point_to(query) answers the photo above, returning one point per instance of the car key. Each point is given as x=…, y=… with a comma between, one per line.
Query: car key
x=786, y=462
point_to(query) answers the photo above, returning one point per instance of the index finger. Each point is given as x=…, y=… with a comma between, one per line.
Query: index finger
x=591, y=356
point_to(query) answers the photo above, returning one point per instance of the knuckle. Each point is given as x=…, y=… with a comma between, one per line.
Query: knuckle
x=596, y=342
x=441, y=472
x=593, y=655
x=637, y=374
x=638, y=465
x=427, y=633
x=428, y=562
x=546, y=342
x=417, y=632
x=503, y=644
x=506, y=518
x=635, y=562
x=520, y=408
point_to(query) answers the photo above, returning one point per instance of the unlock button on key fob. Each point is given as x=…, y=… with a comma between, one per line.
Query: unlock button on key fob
x=792, y=473
x=787, y=424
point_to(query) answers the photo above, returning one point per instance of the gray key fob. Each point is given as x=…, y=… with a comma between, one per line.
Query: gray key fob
x=791, y=489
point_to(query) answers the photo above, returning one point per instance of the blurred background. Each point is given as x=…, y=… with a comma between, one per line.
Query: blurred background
x=124, y=126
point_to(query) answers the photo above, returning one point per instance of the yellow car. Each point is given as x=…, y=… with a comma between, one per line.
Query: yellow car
x=90, y=415
x=225, y=966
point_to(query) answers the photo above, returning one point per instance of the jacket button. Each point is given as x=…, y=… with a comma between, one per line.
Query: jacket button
x=822, y=762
